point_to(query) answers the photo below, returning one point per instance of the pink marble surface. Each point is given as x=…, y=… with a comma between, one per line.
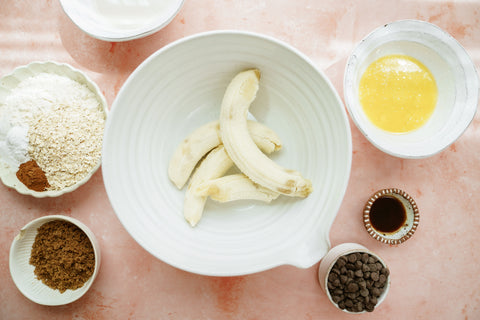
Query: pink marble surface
x=433, y=274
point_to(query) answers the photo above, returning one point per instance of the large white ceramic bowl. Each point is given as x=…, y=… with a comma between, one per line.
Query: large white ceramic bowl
x=454, y=73
x=22, y=271
x=10, y=82
x=121, y=20
x=179, y=88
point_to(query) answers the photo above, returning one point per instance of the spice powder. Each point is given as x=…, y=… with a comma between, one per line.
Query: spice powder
x=32, y=176
x=62, y=255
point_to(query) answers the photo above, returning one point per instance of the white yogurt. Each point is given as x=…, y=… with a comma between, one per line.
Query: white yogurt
x=130, y=14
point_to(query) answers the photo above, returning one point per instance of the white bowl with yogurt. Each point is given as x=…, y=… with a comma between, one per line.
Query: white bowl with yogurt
x=121, y=20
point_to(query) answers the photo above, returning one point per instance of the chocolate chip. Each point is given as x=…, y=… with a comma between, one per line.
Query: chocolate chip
x=350, y=266
x=348, y=303
x=365, y=268
x=358, y=265
x=385, y=271
x=362, y=284
x=343, y=279
x=365, y=257
x=352, y=287
x=364, y=293
x=382, y=279
x=338, y=292
x=359, y=307
x=375, y=276
x=340, y=263
x=332, y=276
x=359, y=273
x=375, y=292
x=370, y=306
x=350, y=274
x=352, y=258
x=351, y=295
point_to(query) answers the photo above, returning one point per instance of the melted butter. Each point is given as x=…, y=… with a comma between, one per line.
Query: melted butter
x=398, y=93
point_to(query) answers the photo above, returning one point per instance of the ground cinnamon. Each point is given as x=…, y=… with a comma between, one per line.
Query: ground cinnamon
x=63, y=256
x=32, y=176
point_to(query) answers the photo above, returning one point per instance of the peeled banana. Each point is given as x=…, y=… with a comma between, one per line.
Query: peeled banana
x=207, y=137
x=232, y=140
x=191, y=150
x=216, y=164
x=240, y=147
x=234, y=187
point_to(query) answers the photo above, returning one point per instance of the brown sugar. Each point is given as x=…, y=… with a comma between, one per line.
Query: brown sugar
x=62, y=255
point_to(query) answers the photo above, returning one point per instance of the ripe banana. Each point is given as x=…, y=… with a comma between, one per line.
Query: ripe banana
x=240, y=147
x=234, y=187
x=191, y=150
x=207, y=137
x=216, y=164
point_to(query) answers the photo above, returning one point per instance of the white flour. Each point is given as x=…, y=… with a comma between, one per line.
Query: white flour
x=56, y=121
x=43, y=91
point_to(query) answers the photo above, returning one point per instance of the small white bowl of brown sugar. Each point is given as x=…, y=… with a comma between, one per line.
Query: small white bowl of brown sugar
x=52, y=118
x=54, y=260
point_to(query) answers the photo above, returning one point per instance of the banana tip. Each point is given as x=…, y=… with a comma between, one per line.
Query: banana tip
x=192, y=223
x=257, y=73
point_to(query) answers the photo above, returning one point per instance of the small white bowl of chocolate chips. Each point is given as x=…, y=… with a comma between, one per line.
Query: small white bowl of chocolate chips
x=355, y=279
x=54, y=260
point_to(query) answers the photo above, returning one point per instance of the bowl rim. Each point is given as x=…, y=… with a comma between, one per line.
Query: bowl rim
x=341, y=250
x=462, y=56
x=288, y=259
x=42, y=220
x=103, y=104
x=133, y=34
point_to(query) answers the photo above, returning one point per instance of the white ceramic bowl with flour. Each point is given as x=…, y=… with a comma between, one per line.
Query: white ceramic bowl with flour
x=54, y=114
